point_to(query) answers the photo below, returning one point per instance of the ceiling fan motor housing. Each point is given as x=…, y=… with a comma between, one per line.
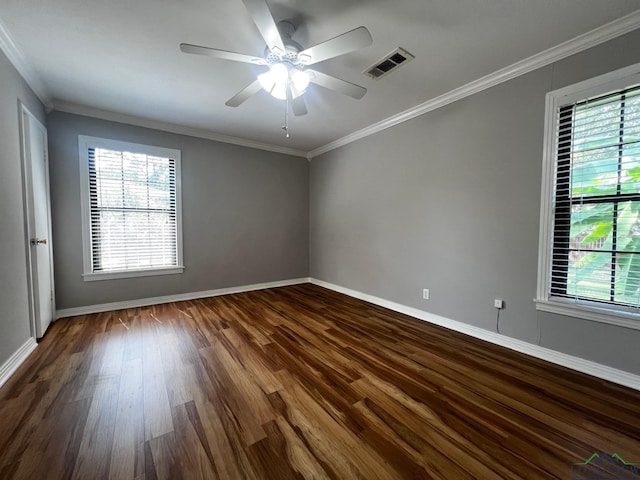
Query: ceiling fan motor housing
x=288, y=75
x=292, y=48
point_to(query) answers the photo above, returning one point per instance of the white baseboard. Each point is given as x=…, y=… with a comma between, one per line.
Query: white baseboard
x=144, y=302
x=11, y=365
x=575, y=363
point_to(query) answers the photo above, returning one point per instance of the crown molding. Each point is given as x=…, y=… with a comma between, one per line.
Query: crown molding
x=171, y=127
x=28, y=73
x=578, y=44
x=24, y=68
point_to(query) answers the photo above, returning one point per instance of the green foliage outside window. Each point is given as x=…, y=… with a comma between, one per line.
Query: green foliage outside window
x=604, y=241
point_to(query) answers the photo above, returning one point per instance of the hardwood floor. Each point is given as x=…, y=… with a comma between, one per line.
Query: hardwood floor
x=297, y=382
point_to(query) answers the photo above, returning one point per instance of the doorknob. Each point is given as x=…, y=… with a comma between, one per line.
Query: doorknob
x=42, y=241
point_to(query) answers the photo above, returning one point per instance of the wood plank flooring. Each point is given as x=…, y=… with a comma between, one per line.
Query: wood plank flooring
x=297, y=382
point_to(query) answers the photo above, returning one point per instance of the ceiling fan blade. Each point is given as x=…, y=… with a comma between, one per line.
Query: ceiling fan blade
x=244, y=94
x=345, y=43
x=298, y=106
x=222, y=54
x=261, y=15
x=333, y=83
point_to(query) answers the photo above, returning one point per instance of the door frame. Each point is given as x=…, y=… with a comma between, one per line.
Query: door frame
x=29, y=215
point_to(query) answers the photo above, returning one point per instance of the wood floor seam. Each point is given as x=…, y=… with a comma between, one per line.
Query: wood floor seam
x=299, y=382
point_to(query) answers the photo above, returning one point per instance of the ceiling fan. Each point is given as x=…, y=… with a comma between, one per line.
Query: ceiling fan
x=288, y=75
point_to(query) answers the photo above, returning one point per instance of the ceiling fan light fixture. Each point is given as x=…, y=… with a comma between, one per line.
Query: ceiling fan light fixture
x=266, y=81
x=287, y=60
x=279, y=91
x=279, y=72
x=300, y=79
x=282, y=76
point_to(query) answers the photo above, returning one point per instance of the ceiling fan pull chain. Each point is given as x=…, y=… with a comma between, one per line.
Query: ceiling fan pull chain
x=287, y=77
x=285, y=127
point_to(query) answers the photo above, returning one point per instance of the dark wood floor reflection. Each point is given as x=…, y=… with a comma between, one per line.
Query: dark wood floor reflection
x=297, y=382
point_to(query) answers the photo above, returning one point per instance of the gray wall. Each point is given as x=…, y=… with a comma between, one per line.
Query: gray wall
x=14, y=304
x=450, y=201
x=245, y=215
x=447, y=201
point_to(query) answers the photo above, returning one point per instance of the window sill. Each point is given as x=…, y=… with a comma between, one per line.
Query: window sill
x=590, y=312
x=95, y=276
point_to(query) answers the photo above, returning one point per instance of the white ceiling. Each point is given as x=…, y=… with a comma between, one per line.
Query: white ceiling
x=122, y=55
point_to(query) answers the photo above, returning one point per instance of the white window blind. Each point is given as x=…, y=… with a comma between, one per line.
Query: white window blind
x=596, y=213
x=132, y=209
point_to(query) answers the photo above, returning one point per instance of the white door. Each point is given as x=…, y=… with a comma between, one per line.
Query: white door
x=34, y=142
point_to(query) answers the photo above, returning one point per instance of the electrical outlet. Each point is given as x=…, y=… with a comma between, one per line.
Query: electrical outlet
x=498, y=303
x=425, y=293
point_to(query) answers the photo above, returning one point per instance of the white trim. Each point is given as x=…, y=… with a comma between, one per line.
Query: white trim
x=11, y=365
x=593, y=87
x=151, y=272
x=143, y=302
x=22, y=65
x=592, y=311
x=171, y=128
x=27, y=119
x=578, y=44
x=546, y=200
x=575, y=363
x=84, y=144
x=26, y=196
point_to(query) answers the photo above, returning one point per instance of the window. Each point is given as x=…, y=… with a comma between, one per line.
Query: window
x=590, y=235
x=131, y=209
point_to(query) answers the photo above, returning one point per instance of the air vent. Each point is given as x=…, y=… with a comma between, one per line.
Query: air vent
x=389, y=63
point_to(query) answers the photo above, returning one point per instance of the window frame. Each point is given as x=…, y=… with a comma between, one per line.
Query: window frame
x=545, y=301
x=84, y=144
